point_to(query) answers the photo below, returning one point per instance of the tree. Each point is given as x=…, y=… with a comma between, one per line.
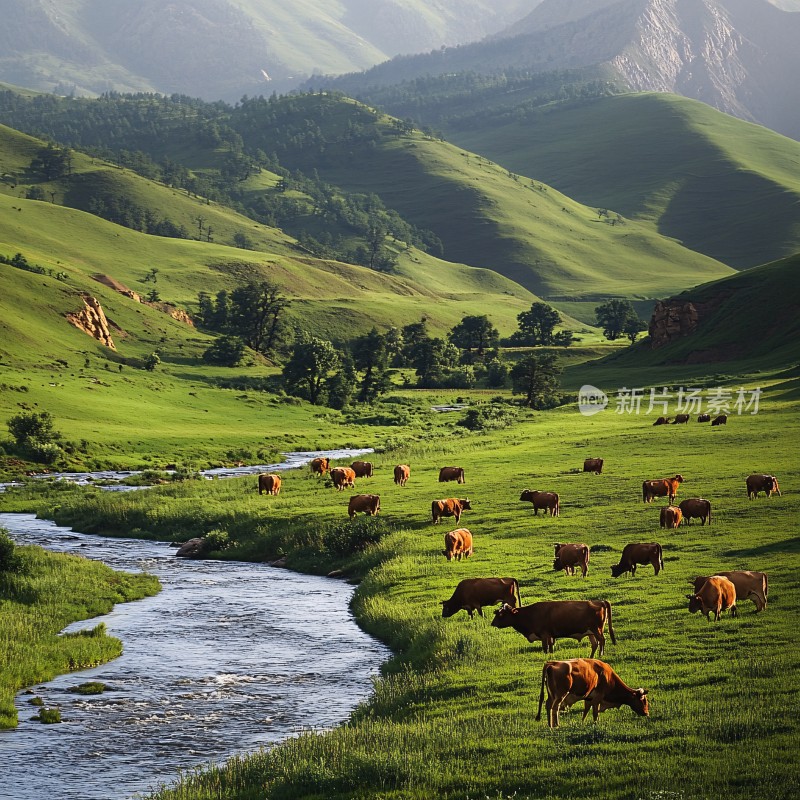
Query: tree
x=614, y=316
x=51, y=163
x=152, y=361
x=369, y=355
x=563, y=338
x=536, y=377
x=227, y=351
x=341, y=384
x=536, y=325
x=633, y=327
x=33, y=425
x=257, y=312
x=242, y=241
x=474, y=332
x=309, y=366
x=431, y=358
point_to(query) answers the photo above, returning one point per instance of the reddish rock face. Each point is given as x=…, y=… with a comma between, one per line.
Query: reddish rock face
x=672, y=319
x=92, y=320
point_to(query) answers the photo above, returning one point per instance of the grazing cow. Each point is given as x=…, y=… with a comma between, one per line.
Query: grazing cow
x=680, y=419
x=343, y=477
x=761, y=483
x=593, y=465
x=638, y=553
x=696, y=507
x=549, y=620
x=362, y=469
x=568, y=556
x=671, y=517
x=590, y=680
x=749, y=585
x=451, y=474
x=704, y=418
x=369, y=504
x=451, y=507
x=717, y=594
x=271, y=484
x=402, y=472
x=549, y=501
x=662, y=421
x=472, y=594
x=457, y=544
x=722, y=419
x=319, y=466
x=666, y=487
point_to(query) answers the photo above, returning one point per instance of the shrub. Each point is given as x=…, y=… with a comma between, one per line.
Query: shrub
x=48, y=716
x=345, y=538
x=43, y=452
x=216, y=540
x=485, y=418
x=9, y=559
x=36, y=425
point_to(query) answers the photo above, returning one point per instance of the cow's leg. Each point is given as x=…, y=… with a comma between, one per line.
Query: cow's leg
x=480, y=610
x=734, y=611
x=656, y=567
x=633, y=570
x=552, y=710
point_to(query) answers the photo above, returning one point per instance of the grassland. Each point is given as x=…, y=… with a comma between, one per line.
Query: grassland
x=453, y=713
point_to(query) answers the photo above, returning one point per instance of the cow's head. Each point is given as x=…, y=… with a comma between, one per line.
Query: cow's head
x=526, y=495
x=558, y=546
x=449, y=608
x=695, y=603
x=678, y=478
x=504, y=616
x=618, y=569
x=448, y=554
x=773, y=484
x=465, y=506
x=639, y=702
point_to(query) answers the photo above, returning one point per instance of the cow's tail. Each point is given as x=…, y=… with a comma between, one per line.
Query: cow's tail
x=765, y=587
x=607, y=607
x=545, y=668
x=661, y=555
x=709, y=512
x=519, y=599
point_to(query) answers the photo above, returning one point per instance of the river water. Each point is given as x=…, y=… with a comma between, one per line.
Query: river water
x=229, y=657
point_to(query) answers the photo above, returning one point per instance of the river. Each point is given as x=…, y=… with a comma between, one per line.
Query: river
x=229, y=657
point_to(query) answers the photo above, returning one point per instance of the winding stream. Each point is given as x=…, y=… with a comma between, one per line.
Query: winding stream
x=227, y=658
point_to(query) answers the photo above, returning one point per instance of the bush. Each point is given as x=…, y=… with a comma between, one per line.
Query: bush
x=216, y=540
x=9, y=559
x=48, y=716
x=36, y=425
x=226, y=351
x=345, y=538
x=42, y=452
x=486, y=418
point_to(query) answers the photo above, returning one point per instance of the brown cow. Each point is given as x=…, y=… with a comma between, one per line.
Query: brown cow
x=568, y=556
x=549, y=620
x=638, y=553
x=666, y=487
x=680, y=419
x=472, y=594
x=319, y=466
x=696, y=507
x=749, y=585
x=451, y=507
x=761, y=483
x=704, y=418
x=722, y=419
x=362, y=469
x=343, y=477
x=271, y=484
x=457, y=544
x=402, y=472
x=369, y=504
x=593, y=465
x=671, y=517
x=662, y=421
x=717, y=594
x=451, y=474
x=590, y=680
x=549, y=501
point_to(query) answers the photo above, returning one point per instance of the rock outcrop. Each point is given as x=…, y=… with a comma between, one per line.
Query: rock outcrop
x=92, y=320
x=672, y=319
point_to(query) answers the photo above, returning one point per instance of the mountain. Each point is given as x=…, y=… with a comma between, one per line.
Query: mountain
x=219, y=48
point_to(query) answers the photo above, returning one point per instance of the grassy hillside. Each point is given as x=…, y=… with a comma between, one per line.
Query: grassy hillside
x=721, y=186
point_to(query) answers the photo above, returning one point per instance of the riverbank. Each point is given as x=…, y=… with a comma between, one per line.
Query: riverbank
x=454, y=714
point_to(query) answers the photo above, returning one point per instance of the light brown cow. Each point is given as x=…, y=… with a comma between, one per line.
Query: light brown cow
x=369, y=504
x=662, y=421
x=761, y=483
x=671, y=517
x=451, y=474
x=451, y=507
x=549, y=501
x=593, y=465
x=269, y=483
x=722, y=419
x=472, y=594
x=665, y=487
x=717, y=594
x=549, y=620
x=680, y=419
x=696, y=507
x=457, y=544
x=362, y=469
x=590, y=680
x=749, y=585
x=638, y=553
x=568, y=556
x=319, y=466
x=402, y=472
x=343, y=477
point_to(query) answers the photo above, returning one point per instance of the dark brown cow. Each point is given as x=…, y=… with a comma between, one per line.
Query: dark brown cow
x=369, y=504
x=343, y=477
x=662, y=421
x=472, y=594
x=761, y=483
x=638, y=553
x=704, y=418
x=666, y=487
x=568, y=556
x=749, y=585
x=319, y=466
x=696, y=507
x=451, y=507
x=680, y=419
x=362, y=469
x=593, y=465
x=451, y=474
x=457, y=544
x=402, y=472
x=722, y=419
x=590, y=680
x=549, y=501
x=549, y=620
x=271, y=484
x=717, y=594
x=671, y=517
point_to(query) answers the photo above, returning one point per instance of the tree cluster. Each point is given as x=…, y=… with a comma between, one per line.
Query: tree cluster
x=618, y=318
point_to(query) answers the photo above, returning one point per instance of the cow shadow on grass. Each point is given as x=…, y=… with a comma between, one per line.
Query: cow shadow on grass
x=786, y=546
